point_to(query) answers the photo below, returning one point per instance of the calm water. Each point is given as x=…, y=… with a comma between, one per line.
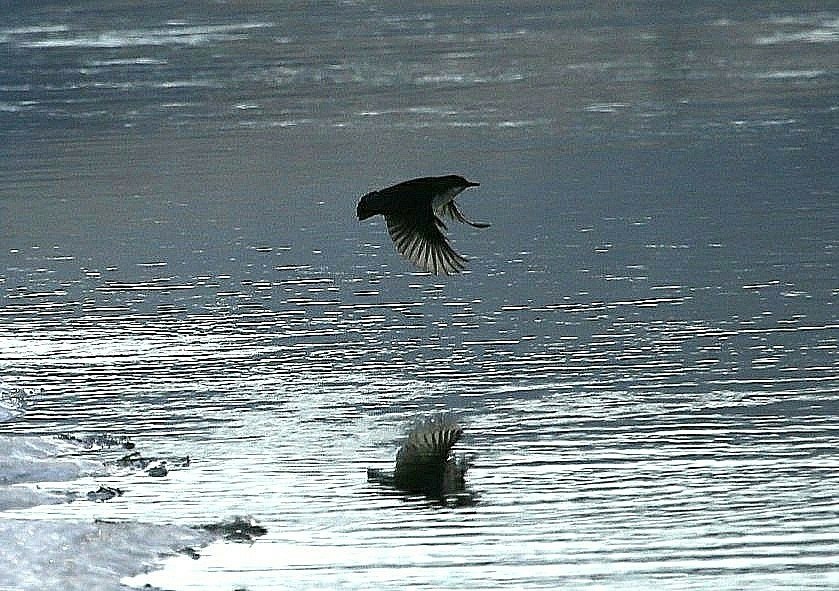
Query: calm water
x=644, y=354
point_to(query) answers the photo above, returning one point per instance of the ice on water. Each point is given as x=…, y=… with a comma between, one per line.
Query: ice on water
x=68, y=554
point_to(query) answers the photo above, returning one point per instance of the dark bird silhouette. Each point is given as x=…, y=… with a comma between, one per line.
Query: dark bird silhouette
x=412, y=210
x=425, y=464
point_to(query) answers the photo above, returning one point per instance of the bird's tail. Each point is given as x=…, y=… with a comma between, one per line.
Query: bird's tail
x=369, y=205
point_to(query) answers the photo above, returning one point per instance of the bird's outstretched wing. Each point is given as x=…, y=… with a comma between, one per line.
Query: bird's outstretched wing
x=421, y=241
x=451, y=210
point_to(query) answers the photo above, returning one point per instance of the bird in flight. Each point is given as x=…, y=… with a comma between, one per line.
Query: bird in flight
x=413, y=210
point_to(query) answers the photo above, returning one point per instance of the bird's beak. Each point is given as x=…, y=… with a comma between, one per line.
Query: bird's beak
x=471, y=184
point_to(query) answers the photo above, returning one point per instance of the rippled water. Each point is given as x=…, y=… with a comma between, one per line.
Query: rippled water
x=643, y=354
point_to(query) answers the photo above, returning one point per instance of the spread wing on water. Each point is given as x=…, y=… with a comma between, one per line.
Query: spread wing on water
x=421, y=241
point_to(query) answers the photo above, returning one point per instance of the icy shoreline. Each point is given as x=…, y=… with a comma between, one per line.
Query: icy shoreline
x=45, y=554
x=68, y=555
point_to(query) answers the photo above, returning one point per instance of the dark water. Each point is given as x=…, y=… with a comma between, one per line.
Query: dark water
x=643, y=354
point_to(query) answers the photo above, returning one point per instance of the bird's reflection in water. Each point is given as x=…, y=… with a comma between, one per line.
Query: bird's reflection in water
x=426, y=466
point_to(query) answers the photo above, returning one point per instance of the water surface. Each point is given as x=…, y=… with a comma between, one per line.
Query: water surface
x=643, y=352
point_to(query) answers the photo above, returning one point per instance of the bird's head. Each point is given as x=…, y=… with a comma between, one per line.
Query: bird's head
x=454, y=181
x=446, y=188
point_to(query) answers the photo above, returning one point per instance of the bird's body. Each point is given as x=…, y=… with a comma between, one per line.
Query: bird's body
x=412, y=211
x=424, y=463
